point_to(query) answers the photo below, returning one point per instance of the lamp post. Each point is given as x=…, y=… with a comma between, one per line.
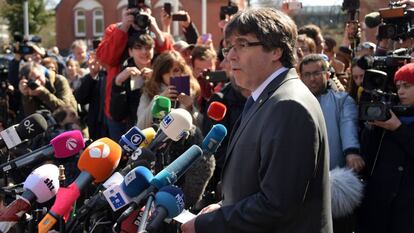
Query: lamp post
x=26, y=18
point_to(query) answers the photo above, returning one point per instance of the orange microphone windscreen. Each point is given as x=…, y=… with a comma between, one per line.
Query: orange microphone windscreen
x=100, y=159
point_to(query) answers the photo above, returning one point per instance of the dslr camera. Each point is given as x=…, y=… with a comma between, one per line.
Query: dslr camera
x=142, y=21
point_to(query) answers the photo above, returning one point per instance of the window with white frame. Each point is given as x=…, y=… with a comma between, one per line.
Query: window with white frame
x=80, y=23
x=98, y=23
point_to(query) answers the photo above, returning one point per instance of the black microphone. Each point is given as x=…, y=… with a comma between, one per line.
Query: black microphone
x=26, y=129
x=373, y=19
x=62, y=146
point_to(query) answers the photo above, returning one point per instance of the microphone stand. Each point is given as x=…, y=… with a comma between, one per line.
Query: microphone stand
x=144, y=218
x=62, y=178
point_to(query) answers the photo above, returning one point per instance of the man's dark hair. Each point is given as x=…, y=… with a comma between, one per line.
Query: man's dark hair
x=311, y=30
x=330, y=43
x=204, y=53
x=311, y=58
x=271, y=27
x=141, y=40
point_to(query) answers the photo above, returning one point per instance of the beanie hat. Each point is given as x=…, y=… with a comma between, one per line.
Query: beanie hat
x=405, y=73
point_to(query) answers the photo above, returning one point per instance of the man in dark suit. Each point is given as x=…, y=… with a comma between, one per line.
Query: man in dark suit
x=275, y=176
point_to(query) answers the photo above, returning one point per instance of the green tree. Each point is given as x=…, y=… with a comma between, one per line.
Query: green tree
x=12, y=10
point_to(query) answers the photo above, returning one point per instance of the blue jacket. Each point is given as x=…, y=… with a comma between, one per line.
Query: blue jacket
x=341, y=117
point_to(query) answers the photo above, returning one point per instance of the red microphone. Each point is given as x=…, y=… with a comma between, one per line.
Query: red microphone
x=216, y=111
x=96, y=163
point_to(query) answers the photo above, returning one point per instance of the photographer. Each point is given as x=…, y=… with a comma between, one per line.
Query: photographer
x=112, y=51
x=389, y=152
x=43, y=89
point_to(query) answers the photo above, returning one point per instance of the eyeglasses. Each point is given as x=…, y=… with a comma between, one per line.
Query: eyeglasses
x=240, y=45
x=316, y=74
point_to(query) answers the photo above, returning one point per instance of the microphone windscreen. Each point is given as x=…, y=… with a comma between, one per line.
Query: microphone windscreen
x=100, y=159
x=175, y=124
x=149, y=136
x=67, y=144
x=131, y=140
x=214, y=138
x=372, y=19
x=177, y=168
x=172, y=199
x=31, y=126
x=160, y=107
x=43, y=182
x=216, y=111
x=136, y=181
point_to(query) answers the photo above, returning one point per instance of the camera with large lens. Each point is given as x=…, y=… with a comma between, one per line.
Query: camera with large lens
x=142, y=21
x=397, y=22
x=380, y=88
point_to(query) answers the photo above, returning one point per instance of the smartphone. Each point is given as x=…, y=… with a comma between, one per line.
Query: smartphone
x=167, y=8
x=181, y=83
x=215, y=76
x=205, y=37
x=179, y=17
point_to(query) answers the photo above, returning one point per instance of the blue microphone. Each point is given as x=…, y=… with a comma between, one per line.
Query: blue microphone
x=131, y=140
x=167, y=176
x=169, y=202
x=214, y=138
x=134, y=183
x=177, y=168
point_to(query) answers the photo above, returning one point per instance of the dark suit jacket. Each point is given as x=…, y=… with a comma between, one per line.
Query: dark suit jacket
x=275, y=177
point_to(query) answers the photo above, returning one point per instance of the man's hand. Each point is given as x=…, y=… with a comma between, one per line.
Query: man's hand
x=355, y=162
x=37, y=91
x=210, y=208
x=23, y=88
x=125, y=74
x=189, y=227
x=186, y=23
x=127, y=19
x=392, y=124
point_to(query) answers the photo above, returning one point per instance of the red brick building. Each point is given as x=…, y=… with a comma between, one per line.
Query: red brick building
x=87, y=19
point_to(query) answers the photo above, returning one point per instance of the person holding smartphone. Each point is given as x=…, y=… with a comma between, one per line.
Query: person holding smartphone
x=167, y=65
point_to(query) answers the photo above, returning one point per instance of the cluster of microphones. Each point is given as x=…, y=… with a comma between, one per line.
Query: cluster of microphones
x=135, y=187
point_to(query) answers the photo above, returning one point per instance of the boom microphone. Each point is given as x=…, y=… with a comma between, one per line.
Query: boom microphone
x=62, y=146
x=373, y=19
x=96, y=163
x=216, y=111
x=40, y=186
x=169, y=202
x=27, y=129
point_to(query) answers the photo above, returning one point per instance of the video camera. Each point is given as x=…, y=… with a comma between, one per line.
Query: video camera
x=378, y=83
x=142, y=21
x=397, y=22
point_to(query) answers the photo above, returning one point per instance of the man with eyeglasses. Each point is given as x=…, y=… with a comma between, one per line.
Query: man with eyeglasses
x=269, y=184
x=341, y=118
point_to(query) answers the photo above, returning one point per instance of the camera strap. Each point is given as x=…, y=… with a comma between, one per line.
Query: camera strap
x=377, y=154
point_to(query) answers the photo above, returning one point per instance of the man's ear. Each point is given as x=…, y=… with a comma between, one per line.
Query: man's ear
x=328, y=75
x=276, y=54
